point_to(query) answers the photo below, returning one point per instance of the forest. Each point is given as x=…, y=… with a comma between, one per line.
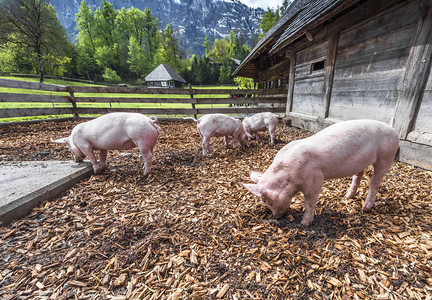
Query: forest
x=112, y=46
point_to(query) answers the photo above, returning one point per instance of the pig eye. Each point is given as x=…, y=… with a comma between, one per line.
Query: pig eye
x=265, y=200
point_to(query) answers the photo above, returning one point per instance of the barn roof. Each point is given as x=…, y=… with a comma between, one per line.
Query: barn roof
x=299, y=17
x=164, y=73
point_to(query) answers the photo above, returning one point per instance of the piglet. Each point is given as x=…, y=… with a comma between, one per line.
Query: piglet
x=261, y=122
x=344, y=149
x=219, y=125
x=113, y=131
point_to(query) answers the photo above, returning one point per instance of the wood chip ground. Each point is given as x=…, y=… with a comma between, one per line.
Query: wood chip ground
x=190, y=230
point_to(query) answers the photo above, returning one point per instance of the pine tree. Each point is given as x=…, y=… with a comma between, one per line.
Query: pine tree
x=172, y=48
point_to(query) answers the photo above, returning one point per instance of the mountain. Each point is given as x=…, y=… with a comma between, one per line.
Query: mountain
x=192, y=18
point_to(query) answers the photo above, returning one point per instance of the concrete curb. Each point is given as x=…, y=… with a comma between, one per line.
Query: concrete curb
x=14, y=208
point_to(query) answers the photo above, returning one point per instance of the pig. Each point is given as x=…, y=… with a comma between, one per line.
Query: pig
x=219, y=125
x=343, y=149
x=261, y=122
x=113, y=131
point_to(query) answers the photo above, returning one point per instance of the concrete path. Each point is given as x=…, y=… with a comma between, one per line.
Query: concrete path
x=25, y=184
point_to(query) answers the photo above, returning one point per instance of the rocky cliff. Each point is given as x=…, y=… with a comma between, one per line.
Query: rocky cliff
x=192, y=18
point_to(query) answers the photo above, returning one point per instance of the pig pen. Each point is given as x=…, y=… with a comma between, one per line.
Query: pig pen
x=190, y=230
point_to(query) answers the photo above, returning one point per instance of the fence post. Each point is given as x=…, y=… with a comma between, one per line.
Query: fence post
x=72, y=100
x=191, y=96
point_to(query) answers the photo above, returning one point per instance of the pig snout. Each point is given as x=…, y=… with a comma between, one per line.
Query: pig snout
x=341, y=150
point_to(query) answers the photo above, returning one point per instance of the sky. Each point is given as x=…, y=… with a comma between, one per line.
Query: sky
x=264, y=4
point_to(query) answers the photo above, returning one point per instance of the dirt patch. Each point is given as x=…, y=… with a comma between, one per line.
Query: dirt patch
x=189, y=230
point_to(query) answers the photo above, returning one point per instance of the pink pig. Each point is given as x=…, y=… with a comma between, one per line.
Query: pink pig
x=343, y=149
x=219, y=125
x=113, y=131
x=261, y=122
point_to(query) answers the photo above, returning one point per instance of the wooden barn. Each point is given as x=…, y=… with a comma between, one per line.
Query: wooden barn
x=164, y=76
x=353, y=59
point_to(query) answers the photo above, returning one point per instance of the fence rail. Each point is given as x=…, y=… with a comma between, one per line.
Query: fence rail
x=16, y=101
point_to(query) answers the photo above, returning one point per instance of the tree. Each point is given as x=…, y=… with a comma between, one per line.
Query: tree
x=220, y=52
x=234, y=47
x=172, y=48
x=14, y=59
x=269, y=18
x=203, y=72
x=206, y=45
x=32, y=25
x=284, y=7
x=111, y=76
x=245, y=83
x=151, y=35
x=225, y=73
x=136, y=58
x=105, y=18
x=86, y=25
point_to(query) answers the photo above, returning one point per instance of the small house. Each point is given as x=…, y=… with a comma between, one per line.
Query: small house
x=164, y=76
x=353, y=59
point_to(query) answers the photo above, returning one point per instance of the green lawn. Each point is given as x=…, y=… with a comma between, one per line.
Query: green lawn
x=102, y=95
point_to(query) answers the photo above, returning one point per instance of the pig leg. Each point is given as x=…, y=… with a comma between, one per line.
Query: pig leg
x=206, y=145
x=311, y=193
x=147, y=154
x=354, y=185
x=226, y=140
x=380, y=168
x=102, y=158
x=257, y=137
x=148, y=160
x=272, y=133
x=90, y=154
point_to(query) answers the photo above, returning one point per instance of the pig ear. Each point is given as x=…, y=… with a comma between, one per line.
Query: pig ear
x=255, y=176
x=68, y=142
x=253, y=188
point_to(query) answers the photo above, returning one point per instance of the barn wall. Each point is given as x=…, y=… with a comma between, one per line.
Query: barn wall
x=309, y=83
x=422, y=130
x=377, y=71
x=370, y=63
x=275, y=76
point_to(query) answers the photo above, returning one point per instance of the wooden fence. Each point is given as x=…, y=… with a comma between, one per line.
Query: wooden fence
x=75, y=100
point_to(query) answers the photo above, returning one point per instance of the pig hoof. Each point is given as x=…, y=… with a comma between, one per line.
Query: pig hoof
x=367, y=207
x=349, y=195
x=306, y=222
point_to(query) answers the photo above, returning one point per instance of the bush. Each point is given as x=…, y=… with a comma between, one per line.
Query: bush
x=111, y=76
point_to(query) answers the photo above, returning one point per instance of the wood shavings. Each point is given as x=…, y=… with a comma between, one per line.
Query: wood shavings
x=190, y=231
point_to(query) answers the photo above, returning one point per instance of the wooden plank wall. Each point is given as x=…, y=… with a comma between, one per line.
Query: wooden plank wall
x=309, y=85
x=67, y=100
x=370, y=65
x=378, y=66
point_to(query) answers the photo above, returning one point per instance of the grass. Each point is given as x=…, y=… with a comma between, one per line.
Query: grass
x=8, y=105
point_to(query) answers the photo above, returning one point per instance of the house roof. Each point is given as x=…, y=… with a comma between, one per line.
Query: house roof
x=164, y=73
x=299, y=16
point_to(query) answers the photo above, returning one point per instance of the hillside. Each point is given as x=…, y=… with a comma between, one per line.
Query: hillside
x=192, y=18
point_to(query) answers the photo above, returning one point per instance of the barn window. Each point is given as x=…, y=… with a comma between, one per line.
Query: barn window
x=318, y=66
